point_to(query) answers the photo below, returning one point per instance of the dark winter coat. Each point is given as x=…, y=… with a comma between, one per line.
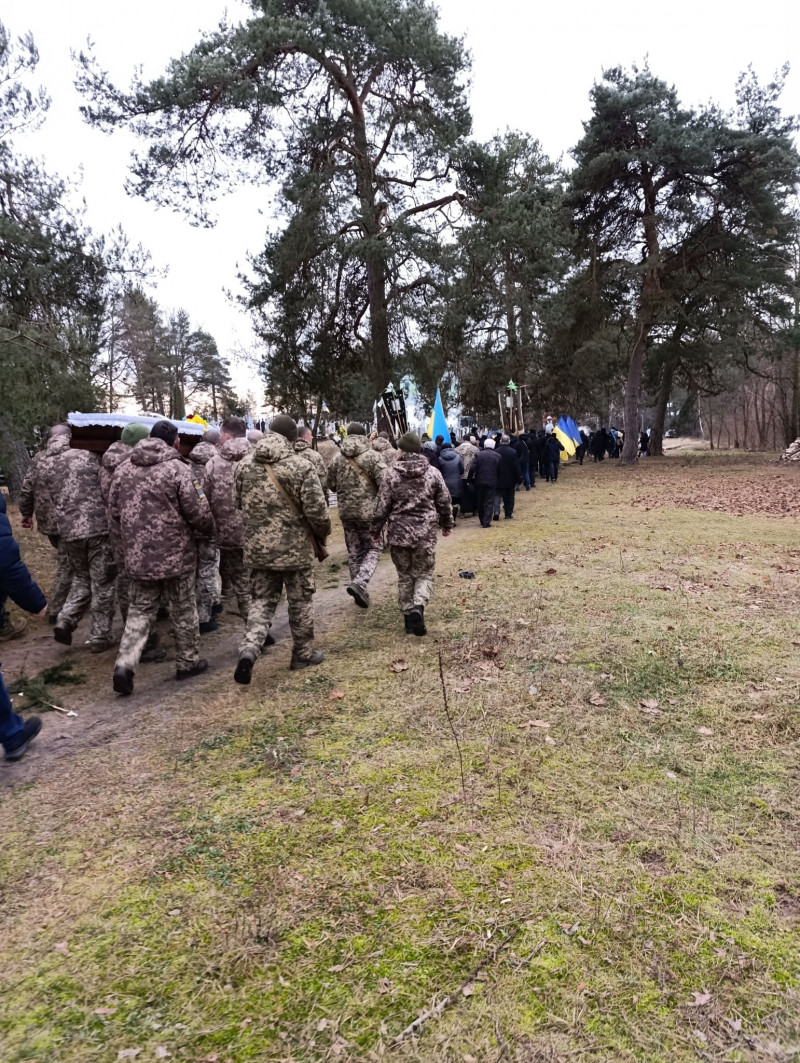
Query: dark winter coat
x=452, y=469
x=552, y=448
x=533, y=445
x=15, y=580
x=520, y=448
x=509, y=473
x=430, y=452
x=485, y=469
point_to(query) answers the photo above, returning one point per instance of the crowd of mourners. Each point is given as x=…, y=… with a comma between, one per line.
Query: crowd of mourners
x=244, y=516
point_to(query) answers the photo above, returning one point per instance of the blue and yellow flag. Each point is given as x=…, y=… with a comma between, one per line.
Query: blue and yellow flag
x=437, y=425
x=561, y=432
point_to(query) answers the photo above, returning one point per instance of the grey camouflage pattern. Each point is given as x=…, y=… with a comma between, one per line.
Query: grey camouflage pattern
x=389, y=453
x=363, y=553
x=145, y=598
x=356, y=496
x=208, y=579
x=468, y=454
x=235, y=578
x=156, y=511
x=62, y=581
x=80, y=513
x=275, y=536
x=415, y=566
x=414, y=502
x=38, y=493
x=266, y=586
x=219, y=489
x=94, y=577
x=109, y=463
x=305, y=450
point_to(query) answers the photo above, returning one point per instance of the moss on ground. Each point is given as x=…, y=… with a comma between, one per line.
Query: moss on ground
x=302, y=877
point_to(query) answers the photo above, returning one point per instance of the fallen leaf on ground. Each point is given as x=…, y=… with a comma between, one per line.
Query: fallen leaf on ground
x=162, y=1053
x=550, y=741
x=550, y=572
x=384, y=985
x=648, y=703
x=704, y=731
x=104, y=1011
x=534, y=723
x=468, y=989
x=533, y=691
x=606, y=675
x=322, y=1025
x=597, y=699
x=700, y=999
x=337, y=695
x=399, y=665
x=489, y=651
x=61, y=947
x=128, y=1053
x=561, y=658
x=335, y=970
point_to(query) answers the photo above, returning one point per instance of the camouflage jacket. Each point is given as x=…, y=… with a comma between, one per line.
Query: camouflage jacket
x=414, y=500
x=155, y=510
x=37, y=496
x=355, y=494
x=386, y=451
x=468, y=454
x=305, y=450
x=275, y=536
x=111, y=461
x=80, y=513
x=220, y=472
x=199, y=457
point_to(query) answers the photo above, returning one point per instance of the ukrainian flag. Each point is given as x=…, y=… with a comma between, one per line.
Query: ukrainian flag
x=437, y=425
x=561, y=432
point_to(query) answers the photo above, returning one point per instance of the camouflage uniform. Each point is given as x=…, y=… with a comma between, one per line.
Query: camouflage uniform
x=208, y=584
x=155, y=511
x=277, y=542
x=82, y=526
x=304, y=448
x=228, y=520
x=468, y=452
x=116, y=454
x=37, y=498
x=414, y=500
x=389, y=453
x=356, y=492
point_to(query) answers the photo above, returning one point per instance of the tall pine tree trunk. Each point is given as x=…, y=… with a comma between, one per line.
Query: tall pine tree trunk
x=655, y=448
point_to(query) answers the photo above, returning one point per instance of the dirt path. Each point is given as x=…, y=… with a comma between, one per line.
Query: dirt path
x=103, y=716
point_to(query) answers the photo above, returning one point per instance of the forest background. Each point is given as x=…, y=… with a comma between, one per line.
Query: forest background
x=652, y=278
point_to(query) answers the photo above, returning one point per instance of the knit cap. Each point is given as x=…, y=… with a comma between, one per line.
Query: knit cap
x=284, y=426
x=134, y=432
x=409, y=443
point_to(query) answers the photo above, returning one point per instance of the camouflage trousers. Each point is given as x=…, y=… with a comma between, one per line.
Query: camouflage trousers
x=145, y=598
x=266, y=586
x=235, y=576
x=123, y=593
x=63, y=577
x=415, y=568
x=208, y=581
x=94, y=575
x=362, y=553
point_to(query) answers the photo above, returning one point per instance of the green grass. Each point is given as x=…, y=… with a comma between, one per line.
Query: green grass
x=289, y=875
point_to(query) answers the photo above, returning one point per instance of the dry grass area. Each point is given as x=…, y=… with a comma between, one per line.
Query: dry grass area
x=590, y=851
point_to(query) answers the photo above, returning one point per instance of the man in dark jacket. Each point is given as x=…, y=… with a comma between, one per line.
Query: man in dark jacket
x=509, y=475
x=552, y=457
x=532, y=442
x=452, y=469
x=483, y=473
x=156, y=512
x=16, y=734
x=431, y=452
x=520, y=446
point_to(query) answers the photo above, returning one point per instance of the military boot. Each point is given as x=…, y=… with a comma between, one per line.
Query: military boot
x=416, y=620
x=244, y=669
x=317, y=657
x=13, y=629
x=359, y=595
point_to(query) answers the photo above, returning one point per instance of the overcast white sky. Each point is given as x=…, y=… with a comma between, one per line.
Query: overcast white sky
x=533, y=66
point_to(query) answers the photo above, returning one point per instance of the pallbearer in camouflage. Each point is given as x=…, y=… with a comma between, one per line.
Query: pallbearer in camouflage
x=355, y=475
x=83, y=528
x=38, y=498
x=156, y=511
x=228, y=520
x=303, y=445
x=208, y=582
x=281, y=498
x=415, y=502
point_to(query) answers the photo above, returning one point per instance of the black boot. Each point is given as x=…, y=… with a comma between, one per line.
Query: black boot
x=416, y=620
x=244, y=670
x=407, y=619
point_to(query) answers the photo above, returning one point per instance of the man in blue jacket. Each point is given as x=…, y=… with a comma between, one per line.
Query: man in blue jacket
x=16, y=734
